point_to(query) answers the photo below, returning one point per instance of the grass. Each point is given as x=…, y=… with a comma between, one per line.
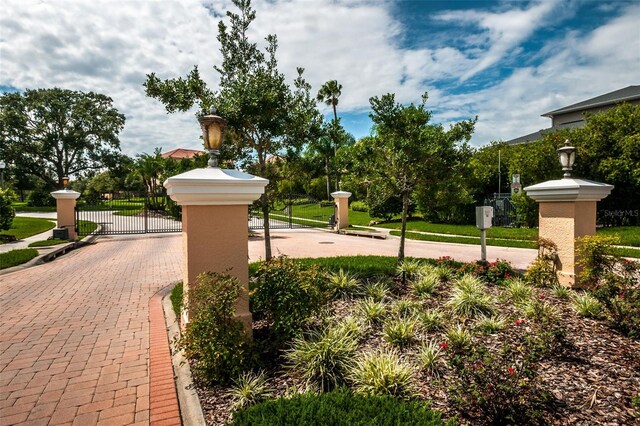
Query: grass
x=16, y=257
x=47, y=243
x=465, y=230
x=87, y=227
x=21, y=206
x=24, y=227
x=629, y=235
x=363, y=266
x=467, y=240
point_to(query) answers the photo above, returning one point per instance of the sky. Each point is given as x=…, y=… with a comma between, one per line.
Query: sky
x=506, y=62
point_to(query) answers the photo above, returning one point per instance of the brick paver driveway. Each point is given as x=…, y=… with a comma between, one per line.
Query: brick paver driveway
x=74, y=336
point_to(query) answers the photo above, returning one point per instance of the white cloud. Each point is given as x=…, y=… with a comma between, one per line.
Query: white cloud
x=109, y=46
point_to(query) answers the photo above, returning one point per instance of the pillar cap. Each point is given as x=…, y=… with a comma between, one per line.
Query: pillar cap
x=341, y=194
x=214, y=186
x=568, y=190
x=65, y=194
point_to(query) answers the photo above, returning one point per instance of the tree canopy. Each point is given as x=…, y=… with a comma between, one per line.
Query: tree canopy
x=52, y=133
x=265, y=116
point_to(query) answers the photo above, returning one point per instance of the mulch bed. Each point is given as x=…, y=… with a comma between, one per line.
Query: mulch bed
x=592, y=382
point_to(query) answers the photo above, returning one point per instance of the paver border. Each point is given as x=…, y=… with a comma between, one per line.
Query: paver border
x=164, y=408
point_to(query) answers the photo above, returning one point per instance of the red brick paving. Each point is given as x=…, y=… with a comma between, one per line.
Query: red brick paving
x=75, y=334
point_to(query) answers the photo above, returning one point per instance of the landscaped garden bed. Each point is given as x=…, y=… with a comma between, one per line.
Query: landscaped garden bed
x=476, y=343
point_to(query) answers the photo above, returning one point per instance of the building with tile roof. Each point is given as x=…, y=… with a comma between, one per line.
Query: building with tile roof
x=180, y=153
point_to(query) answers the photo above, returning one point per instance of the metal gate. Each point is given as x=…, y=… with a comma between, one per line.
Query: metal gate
x=128, y=213
x=294, y=211
x=504, y=212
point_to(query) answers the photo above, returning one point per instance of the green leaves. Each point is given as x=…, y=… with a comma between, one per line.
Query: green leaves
x=51, y=133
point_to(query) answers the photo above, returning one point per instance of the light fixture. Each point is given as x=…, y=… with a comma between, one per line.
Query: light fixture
x=567, y=157
x=212, y=132
x=65, y=182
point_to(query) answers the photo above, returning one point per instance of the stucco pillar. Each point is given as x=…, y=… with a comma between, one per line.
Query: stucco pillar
x=567, y=211
x=342, y=203
x=66, y=210
x=215, y=233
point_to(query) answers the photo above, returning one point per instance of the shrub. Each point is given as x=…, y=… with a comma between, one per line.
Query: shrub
x=7, y=213
x=517, y=291
x=359, y=206
x=431, y=358
x=543, y=271
x=40, y=198
x=409, y=268
x=400, y=332
x=338, y=408
x=377, y=290
x=342, y=284
x=594, y=257
x=537, y=309
x=443, y=273
x=493, y=273
x=469, y=297
x=323, y=358
x=288, y=293
x=561, y=292
x=500, y=385
x=425, y=284
x=382, y=373
x=373, y=311
x=249, y=389
x=405, y=308
x=214, y=340
x=490, y=325
x=458, y=338
x=431, y=319
x=587, y=306
x=619, y=294
x=176, y=299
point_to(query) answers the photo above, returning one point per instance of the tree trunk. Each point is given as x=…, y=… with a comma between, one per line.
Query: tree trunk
x=267, y=233
x=335, y=145
x=328, y=178
x=405, y=210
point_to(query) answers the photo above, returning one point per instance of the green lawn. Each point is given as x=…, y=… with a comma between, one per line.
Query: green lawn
x=47, y=243
x=24, y=227
x=468, y=240
x=87, y=227
x=22, y=207
x=16, y=257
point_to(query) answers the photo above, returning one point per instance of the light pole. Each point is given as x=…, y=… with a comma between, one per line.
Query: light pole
x=2, y=166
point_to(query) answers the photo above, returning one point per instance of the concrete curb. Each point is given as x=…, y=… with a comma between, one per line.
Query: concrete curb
x=50, y=255
x=190, y=408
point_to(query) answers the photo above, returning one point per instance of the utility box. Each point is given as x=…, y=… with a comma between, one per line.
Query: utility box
x=60, y=234
x=484, y=215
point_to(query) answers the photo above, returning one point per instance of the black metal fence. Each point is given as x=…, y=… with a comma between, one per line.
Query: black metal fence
x=294, y=211
x=128, y=213
x=504, y=212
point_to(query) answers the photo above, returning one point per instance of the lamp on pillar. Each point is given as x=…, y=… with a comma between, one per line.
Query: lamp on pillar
x=567, y=156
x=212, y=132
x=65, y=182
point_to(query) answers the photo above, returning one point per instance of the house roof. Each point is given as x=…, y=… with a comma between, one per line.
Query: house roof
x=627, y=94
x=179, y=153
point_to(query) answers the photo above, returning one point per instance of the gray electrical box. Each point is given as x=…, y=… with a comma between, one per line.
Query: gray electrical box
x=60, y=234
x=484, y=215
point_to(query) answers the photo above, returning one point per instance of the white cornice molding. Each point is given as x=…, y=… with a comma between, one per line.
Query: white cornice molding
x=341, y=194
x=567, y=190
x=214, y=186
x=65, y=194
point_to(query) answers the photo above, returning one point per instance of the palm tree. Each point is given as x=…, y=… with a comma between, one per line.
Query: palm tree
x=329, y=94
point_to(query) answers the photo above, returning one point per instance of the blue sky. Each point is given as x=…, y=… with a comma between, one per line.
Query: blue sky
x=505, y=61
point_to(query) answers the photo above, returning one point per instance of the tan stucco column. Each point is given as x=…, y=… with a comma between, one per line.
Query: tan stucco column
x=342, y=203
x=215, y=233
x=66, y=210
x=567, y=212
